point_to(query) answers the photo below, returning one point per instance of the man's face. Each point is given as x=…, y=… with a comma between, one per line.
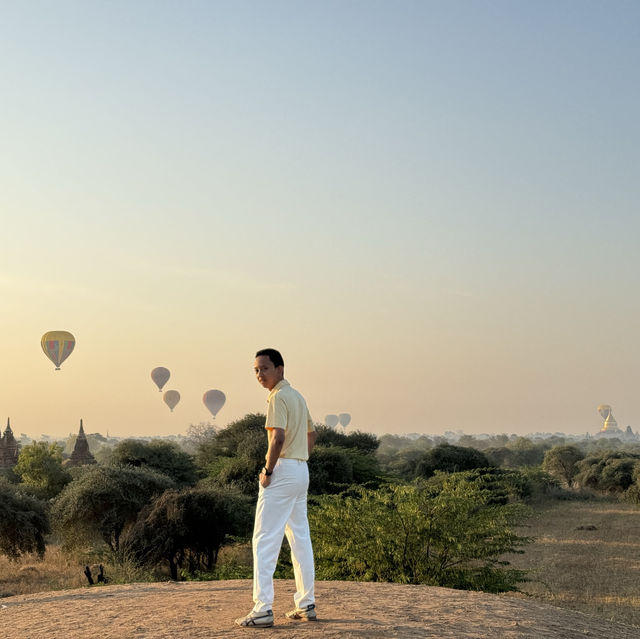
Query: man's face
x=268, y=375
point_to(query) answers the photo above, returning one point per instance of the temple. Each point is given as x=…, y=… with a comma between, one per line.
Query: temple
x=9, y=449
x=610, y=426
x=81, y=455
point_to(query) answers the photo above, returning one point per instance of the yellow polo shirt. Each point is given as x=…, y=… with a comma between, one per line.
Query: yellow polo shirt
x=288, y=410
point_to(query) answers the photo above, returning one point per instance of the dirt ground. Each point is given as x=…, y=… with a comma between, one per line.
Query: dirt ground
x=195, y=610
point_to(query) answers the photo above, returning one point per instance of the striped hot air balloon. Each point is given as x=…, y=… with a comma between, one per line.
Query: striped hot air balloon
x=57, y=346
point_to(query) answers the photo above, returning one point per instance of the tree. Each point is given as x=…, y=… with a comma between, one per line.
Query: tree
x=366, y=468
x=163, y=456
x=394, y=449
x=330, y=470
x=364, y=442
x=9, y=475
x=525, y=453
x=187, y=526
x=498, y=456
x=618, y=474
x=501, y=486
x=633, y=492
x=102, y=500
x=403, y=463
x=40, y=469
x=233, y=456
x=609, y=471
x=23, y=522
x=450, y=459
x=228, y=441
x=562, y=462
x=438, y=533
x=198, y=434
x=238, y=473
x=517, y=453
x=469, y=441
x=349, y=459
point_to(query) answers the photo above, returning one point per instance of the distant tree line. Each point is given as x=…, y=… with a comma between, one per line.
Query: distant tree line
x=392, y=508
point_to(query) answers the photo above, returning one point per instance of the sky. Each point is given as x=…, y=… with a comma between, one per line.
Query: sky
x=430, y=208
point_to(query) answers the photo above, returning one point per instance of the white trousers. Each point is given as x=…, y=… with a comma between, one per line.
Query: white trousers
x=282, y=509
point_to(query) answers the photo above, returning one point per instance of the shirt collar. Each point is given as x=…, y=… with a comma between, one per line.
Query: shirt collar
x=281, y=384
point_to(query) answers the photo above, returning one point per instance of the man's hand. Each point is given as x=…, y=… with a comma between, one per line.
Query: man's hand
x=265, y=480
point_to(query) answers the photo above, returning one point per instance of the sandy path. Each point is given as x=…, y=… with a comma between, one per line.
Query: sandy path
x=195, y=610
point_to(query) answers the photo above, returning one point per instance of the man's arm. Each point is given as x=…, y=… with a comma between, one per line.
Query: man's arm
x=276, y=441
x=312, y=435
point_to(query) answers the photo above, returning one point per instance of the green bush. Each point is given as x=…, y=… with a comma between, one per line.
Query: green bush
x=233, y=456
x=450, y=459
x=562, y=463
x=165, y=457
x=40, y=469
x=500, y=485
x=23, y=522
x=608, y=471
x=366, y=468
x=363, y=442
x=102, y=500
x=330, y=470
x=633, y=492
x=539, y=484
x=187, y=528
x=520, y=453
x=401, y=463
x=232, y=440
x=443, y=532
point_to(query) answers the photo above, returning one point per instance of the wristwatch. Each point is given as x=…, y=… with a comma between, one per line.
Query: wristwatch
x=267, y=472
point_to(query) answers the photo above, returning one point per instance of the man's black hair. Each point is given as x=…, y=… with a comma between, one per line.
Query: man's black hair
x=273, y=355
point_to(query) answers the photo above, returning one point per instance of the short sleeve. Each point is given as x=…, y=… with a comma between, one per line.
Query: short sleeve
x=310, y=425
x=276, y=413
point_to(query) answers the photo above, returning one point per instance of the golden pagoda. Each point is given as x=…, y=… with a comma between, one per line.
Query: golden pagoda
x=610, y=426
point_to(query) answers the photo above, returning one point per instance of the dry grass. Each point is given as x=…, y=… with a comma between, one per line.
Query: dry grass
x=593, y=571
x=63, y=571
x=57, y=571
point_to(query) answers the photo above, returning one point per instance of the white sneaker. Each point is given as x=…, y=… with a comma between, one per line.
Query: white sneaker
x=257, y=619
x=303, y=614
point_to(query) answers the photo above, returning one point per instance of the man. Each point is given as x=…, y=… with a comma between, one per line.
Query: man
x=282, y=496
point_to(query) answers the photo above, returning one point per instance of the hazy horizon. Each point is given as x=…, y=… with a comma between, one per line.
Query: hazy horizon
x=445, y=433
x=430, y=208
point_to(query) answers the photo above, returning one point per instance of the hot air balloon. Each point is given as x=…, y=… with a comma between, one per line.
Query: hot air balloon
x=214, y=401
x=171, y=398
x=344, y=419
x=57, y=346
x=160, y=376
x=331, y=420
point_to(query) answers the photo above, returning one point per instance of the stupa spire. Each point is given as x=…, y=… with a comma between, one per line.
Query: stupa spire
x=81, y=454
x=9, y=449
